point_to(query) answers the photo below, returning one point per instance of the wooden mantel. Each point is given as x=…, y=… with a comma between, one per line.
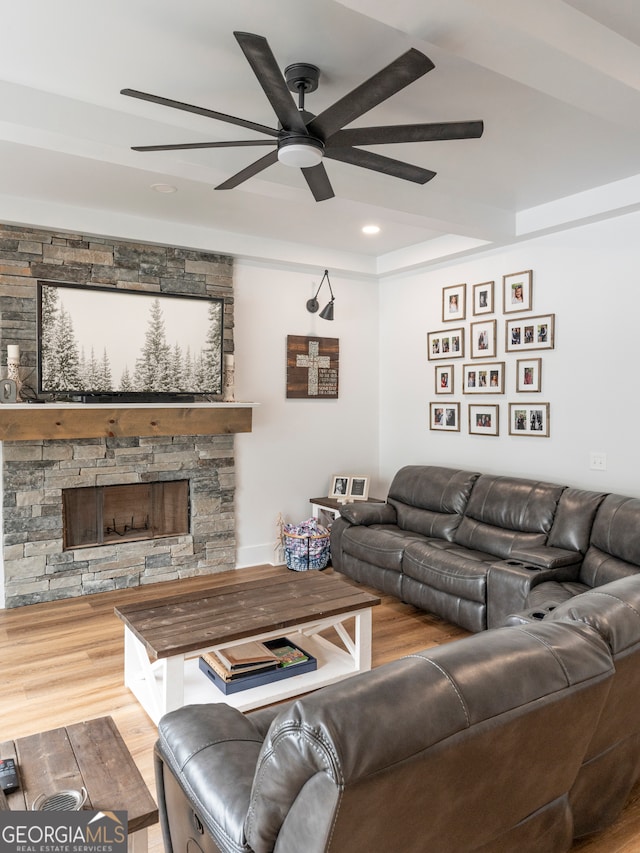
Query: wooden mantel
x=29, y=422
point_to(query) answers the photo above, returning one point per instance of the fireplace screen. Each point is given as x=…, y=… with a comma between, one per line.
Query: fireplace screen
x=100, y=515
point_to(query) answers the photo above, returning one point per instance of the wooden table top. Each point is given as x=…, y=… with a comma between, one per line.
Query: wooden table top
x=185, y=623
x=90, y=755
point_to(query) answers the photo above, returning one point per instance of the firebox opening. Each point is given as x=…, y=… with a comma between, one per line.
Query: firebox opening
x=100, y=515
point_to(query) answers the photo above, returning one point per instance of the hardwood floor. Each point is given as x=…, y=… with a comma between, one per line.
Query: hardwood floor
x=63, y=663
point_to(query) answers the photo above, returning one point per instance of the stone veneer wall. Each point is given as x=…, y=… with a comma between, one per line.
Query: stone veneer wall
x=34, y=473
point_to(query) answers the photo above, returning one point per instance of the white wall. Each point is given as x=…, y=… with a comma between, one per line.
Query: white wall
x=588, y=277
x=296, y=445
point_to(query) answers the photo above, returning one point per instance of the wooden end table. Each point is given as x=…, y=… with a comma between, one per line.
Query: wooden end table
x=89, y=755
x=164, y=638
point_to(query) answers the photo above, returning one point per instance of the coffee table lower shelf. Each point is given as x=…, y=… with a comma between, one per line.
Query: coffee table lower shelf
x=171, y=682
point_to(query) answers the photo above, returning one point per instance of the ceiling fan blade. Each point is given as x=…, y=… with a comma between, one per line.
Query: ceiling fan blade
x=318, y=181
x=264, y=66
x=404, y=70
x=244, y=175
x=386, y=165
x=202, y=111
x=239, y=144
x=406, y=133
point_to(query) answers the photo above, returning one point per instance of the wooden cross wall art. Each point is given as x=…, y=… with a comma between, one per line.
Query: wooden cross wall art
x=312, y=367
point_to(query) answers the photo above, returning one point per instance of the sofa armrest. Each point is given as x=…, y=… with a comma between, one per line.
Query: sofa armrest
x=509, y=583
x=366, y=512
x=547, y=557
x=212, y=751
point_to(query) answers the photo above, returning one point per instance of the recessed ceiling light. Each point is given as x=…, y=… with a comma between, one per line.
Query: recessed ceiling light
x=164, y=188
x=371, y=229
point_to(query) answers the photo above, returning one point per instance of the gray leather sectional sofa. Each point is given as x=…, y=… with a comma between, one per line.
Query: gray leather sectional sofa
x=518, y=738
x=474, y=548
x=472, y=746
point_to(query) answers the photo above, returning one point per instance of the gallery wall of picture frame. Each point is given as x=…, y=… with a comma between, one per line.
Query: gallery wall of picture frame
x=479, y=341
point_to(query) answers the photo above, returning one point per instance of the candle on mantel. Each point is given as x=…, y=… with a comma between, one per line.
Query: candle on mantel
x=228, y=379
x=13, y=365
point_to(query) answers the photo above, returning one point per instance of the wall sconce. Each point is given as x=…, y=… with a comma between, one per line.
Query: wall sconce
x=313, y=304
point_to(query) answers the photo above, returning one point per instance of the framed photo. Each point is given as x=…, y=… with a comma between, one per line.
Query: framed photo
x=454, y=300
x=444, y=417
x=529, y=419
x=359, y=488
x=444, y=379
x=527, y=333
x=448, y=343
x=340, y=485
x=483, y=339
x=484, y=420
x=529, y=374
x=517, y=291
x=483, y=298
x=485, y=378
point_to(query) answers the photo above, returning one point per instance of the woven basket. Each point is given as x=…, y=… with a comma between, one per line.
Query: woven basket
x=302, y=553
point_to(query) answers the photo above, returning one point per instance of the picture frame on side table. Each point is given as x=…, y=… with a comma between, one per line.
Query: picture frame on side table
x=445, y=344
x=340, y=486
x=454, y=302
x=359, y=488
x=528, y=375
x=484, y=419
x=483, y=378
x=517, y=292
x=444, y=417
x=483, y=298
x=529, y=419
x=530, y=333
x=444, y=379
x=483, y=339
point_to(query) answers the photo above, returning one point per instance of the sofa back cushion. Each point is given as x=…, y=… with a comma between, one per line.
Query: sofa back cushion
x=333, y=763
x=574, y=519
x=506, y=513
x=429, y=499
x=614, y=550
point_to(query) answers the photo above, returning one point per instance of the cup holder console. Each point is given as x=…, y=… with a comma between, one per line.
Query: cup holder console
x=527, y=566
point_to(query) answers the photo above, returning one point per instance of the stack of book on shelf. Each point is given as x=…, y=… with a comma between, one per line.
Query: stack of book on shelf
x=254, y=663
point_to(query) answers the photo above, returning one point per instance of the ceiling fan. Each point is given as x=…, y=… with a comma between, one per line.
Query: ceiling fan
x=303, y=139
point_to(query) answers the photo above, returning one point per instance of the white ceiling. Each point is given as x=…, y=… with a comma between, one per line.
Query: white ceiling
x=556, y=83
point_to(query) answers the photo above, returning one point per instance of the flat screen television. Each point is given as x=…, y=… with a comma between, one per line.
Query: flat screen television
x=105, y=344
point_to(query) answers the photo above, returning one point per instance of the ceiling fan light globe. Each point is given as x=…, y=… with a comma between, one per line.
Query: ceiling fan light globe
x=301, y=154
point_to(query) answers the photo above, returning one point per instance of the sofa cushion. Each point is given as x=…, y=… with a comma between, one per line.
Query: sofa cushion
x=554, y=592
x=506, y=513
x=448, y=567
x=430, y=499
x=574, y=519
x=382, y=545
x=614, y=551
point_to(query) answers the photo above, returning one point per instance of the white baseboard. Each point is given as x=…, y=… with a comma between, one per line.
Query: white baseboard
x=258, y=555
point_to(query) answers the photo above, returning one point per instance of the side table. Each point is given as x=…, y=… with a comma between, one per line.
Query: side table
x=90, y=755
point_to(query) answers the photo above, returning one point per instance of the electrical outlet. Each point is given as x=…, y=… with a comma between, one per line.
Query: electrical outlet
x=598, y=461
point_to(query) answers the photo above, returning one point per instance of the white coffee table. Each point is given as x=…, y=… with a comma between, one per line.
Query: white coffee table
x=324, y=614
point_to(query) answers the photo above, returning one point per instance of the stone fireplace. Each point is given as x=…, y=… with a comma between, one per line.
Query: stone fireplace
x=47, y=448
x=37, y=567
